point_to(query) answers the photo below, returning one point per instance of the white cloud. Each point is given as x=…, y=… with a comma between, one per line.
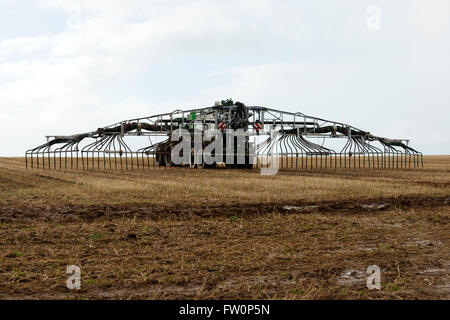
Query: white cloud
x=277, y=53
x=61, y=81
x=431, y=18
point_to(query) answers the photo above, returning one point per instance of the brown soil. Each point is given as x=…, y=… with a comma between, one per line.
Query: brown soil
x=268, y=243
x=184, y=212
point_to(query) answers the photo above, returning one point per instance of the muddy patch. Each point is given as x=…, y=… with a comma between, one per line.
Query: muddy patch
x=184, y=212
x=375, y=206
x=300, y=209
x=351, y=277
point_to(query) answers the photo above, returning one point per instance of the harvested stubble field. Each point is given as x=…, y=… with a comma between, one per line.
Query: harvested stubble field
x=192, y=233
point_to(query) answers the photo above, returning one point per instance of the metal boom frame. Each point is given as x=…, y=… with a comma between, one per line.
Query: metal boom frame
x=105, y=148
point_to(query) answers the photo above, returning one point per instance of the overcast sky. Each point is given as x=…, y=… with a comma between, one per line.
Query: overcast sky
x=72, y=66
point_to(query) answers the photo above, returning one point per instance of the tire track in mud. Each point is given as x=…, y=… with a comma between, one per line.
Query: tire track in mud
x=184, y=212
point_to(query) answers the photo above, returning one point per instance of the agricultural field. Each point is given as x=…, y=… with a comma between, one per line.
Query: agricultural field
x=173, y=233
